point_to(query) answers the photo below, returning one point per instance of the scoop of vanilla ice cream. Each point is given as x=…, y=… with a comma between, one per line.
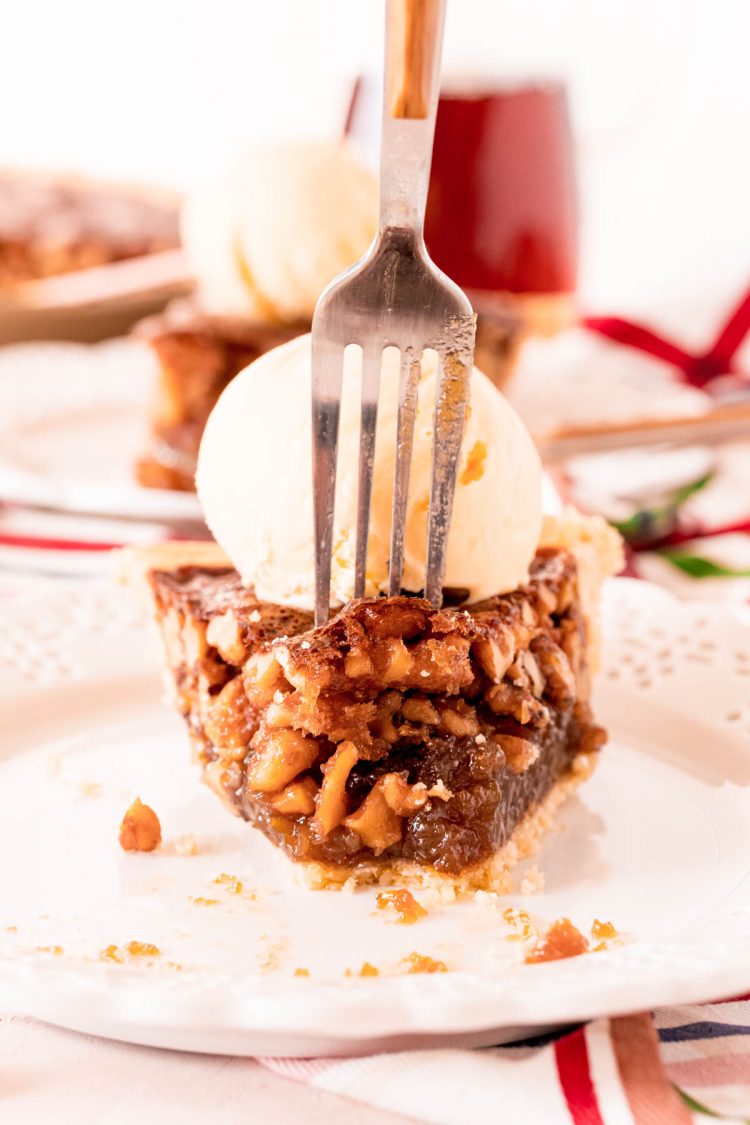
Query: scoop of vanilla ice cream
x=266, y=237
x=254, y=482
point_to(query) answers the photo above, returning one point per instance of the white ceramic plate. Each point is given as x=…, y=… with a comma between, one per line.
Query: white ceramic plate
x=657, y=842
x=72, y=422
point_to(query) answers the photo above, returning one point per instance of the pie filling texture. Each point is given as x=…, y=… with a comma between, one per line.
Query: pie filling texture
x=396, y=735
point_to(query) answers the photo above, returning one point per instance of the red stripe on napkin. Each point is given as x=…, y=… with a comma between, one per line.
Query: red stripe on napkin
x=574, y=1072
x=734, y=999
x=651, y=1097
x=43, y=543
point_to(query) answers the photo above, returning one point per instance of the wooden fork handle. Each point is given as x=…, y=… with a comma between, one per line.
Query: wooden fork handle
x=414, y=31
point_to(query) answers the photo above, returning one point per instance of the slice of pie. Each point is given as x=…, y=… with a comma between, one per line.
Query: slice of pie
x=197, y=356
x=397, y=741
x=55, y=224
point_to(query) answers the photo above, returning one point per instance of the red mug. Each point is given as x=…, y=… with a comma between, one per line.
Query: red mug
x=501, y=212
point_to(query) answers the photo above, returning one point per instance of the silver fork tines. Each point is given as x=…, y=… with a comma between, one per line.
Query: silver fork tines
x=451, y=396
x=372, y=361
x=327, y=367
x=408, y=390
x=395, y=296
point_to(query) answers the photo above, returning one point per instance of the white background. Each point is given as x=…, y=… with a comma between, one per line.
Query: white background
x=161, y=89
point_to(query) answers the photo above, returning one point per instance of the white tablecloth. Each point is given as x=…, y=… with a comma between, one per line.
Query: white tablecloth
x=54, y=1077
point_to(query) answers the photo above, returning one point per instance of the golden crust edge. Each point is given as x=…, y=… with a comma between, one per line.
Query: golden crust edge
x=131, y=566
x=598, y=551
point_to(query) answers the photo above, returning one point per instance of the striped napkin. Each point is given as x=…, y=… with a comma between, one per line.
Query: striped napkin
x=674, y=1067
x=36, y=542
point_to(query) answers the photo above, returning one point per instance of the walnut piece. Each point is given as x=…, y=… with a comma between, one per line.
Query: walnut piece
x=377, y=825
x=402, y=798
x=223, y=633
x=507, y=699
x=520, y=753
x=495, y=654
x=279, y=756
x=263, y=677
x=298, y=799
x=331, y=800
x=140, y=830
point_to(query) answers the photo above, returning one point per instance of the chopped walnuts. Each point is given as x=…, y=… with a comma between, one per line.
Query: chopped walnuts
x=140, y=830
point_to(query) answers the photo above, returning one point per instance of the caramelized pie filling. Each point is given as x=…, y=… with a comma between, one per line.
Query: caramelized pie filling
x=394, y=732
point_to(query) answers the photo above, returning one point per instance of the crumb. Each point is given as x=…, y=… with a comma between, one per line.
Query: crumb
x=90, y=789
x=366, y=970
x=532, y=881
x=142, y=949
x=302, y=972
x=403, y=904
x=440, y=790
x=420, y=963
x=140, y=830
x=132, y=949
x=201, y=901
x=520, y=923
x=275, y=947
x=600, y=948
x=602, y=930
x=112, y=953
x=11, y=929
x=186, y=845
x=272, y=960
x=231, y=882
x=561, y=940
x=55, y=949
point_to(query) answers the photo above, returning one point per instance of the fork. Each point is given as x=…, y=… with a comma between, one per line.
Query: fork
x=394, y=297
